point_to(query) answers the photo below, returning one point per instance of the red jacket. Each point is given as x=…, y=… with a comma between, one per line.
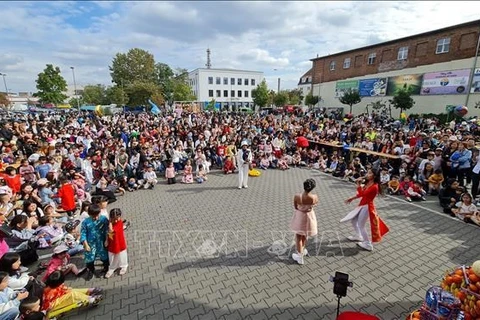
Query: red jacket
x=67, y=194
x=15, y=182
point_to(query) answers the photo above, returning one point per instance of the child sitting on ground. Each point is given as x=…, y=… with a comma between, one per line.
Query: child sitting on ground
x=393, y=186
x=384, y=180
x=9, y=299
x=49, y=230
x=201, y=174
x=416, y=192
x=61, y=262
x=228, y=166
x=30, y=309
x=464, y=209
x=435, y=182
x=264, y=162
x=71, y=238
x=58, y=298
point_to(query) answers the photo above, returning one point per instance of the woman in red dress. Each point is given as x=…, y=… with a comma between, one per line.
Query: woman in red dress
x=364, y=211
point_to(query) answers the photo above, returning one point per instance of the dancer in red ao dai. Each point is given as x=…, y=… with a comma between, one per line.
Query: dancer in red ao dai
x=304, y=221
x=364, y=211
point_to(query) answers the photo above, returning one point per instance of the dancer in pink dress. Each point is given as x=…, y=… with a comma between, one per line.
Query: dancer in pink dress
x=304, y=221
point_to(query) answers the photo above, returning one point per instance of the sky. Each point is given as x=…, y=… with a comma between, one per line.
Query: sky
x=278, y=38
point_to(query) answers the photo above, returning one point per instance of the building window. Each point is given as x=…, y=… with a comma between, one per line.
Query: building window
x=219, y=93
x=346, y=63
x=402, y=53
x=218, y=80
x=246, y=94
x=232, y=81
x=210, y=80
x=371, y=58
x=225, y=93
x=252, y=82
x=332, y=66
x=239, y=81
x=225, y=80
x=210, y=92
x=443, y=45
x=232, y=93
x=245, y=82
x=239, y=94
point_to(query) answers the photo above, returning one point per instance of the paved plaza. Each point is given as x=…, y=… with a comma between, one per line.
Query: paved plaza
x=212, y=251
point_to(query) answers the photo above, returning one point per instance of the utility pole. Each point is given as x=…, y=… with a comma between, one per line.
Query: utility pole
x=75, y=88
x=278, y=90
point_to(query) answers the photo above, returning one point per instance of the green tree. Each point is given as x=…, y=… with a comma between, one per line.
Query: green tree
x=75, y=102
x=271, y=97
x=295, y=96
x=140, y=92
x=137, y=65
x=4, y=102
x=164, y=78
x=350, y=98
x=280, y=99
x=260, y=95
x=180, y=87
x=402, y=100
x=116, y=95
x=51, y=85
x=311, y=100
x=94, y=94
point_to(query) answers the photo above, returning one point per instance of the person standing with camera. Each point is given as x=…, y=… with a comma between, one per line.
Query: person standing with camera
x=244, y=160
x=364, y=211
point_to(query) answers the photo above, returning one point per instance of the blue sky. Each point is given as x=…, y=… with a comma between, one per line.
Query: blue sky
x=252, y=35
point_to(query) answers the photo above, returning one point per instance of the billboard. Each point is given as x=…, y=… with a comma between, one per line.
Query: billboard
x=413, y=82
x=376, y=87
x=446, y=82
x=475, y=87
x=342, y=86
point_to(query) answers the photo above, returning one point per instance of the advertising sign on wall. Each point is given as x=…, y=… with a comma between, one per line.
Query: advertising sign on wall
x=342, y=86
x=413, y=82
x=446, y=82
x=376, y=87
x=475, y=87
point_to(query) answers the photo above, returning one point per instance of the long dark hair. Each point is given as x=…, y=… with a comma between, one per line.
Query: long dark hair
x=7, y=261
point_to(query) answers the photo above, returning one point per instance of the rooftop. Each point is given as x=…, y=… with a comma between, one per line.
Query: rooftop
x=466, y=24
x=224, y=69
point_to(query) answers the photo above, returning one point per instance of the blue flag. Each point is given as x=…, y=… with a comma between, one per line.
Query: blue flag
x=155, y=110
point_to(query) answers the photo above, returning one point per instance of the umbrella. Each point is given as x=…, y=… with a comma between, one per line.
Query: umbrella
x=302, y=142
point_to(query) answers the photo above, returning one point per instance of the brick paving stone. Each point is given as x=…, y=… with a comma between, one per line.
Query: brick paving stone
x=256, y=284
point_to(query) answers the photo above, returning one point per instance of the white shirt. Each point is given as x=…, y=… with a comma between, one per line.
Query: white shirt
x=476, y=169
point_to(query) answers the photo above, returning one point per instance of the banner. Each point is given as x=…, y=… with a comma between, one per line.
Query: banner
x=342, y=86
x=412, y=82
x=475, y=87
x=446, y=82
x=372, y=87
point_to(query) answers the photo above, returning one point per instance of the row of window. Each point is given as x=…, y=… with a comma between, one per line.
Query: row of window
x=218, y=80
x=443, y=46
x=225, y=93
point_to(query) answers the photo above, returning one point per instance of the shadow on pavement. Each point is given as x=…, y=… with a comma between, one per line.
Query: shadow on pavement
x=142, y=301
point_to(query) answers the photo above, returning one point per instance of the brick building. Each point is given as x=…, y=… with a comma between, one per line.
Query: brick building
x=440, y=67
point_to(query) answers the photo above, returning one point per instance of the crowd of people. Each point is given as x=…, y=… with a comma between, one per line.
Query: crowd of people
x=61, y=171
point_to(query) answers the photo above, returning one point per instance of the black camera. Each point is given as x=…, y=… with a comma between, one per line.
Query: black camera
x=340, y=284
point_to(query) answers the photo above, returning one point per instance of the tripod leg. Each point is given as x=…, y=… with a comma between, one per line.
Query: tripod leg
x=338, y=306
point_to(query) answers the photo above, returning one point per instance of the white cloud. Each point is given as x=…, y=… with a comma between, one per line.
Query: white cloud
x=248, y=35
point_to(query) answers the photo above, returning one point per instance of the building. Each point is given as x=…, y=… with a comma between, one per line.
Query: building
x=305, y=84
x=440, y=68
x=231, y=89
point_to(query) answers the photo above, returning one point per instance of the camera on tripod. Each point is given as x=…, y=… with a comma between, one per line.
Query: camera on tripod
x=340, y=284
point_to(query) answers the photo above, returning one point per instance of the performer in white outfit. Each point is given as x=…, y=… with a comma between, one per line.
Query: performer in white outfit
x=244, y=159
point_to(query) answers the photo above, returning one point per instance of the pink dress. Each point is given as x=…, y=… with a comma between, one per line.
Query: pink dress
x=187, y=175
x=304, y=221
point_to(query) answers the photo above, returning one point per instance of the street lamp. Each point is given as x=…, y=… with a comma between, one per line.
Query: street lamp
x=4, y=82
x=75, y=88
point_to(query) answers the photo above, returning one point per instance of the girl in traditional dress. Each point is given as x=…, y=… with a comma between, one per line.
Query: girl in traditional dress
x=93, y=235
x=187, y=173
x=116, y=244
x=364, y=211
x=304, y=221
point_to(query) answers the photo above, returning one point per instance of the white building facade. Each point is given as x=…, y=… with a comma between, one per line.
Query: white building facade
x=231, y=89
x=305, y=84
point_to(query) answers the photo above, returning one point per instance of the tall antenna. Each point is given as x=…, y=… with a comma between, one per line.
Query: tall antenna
x=209, y=62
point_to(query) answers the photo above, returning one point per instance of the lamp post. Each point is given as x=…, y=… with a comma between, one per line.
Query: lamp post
x=75, y=88
x=4, y=82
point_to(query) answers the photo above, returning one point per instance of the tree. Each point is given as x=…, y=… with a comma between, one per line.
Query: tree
x=137, y=65
x=164, y=78
x=75, y=102
x=260, y=94
x=51, y=85
x=280, y=99
x=116, y=95
x=311, y=100
x=402, y=100
x=295, y=96
x=379, y=106
x=4, y=101
x=181, y=90
x=140, y=92
x=350, y=97
x=94, y=95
